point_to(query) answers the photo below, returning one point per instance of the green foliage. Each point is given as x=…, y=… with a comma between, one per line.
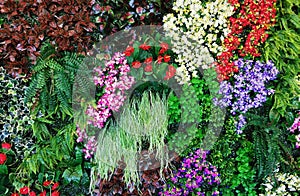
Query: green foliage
x=50, y=90
x=246, y=174
x=52, y=80
x=283, y=48
x=233, y=156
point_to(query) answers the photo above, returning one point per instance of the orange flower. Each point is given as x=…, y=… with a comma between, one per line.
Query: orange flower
x=136, y=64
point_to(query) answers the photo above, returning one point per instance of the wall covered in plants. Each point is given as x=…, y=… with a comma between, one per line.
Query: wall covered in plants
x=180, y=97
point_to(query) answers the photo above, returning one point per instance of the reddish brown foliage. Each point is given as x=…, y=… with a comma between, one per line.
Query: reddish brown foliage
x=150, y=179
x=65, y=23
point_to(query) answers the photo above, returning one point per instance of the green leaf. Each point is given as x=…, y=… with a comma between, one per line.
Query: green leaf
x=3, y=169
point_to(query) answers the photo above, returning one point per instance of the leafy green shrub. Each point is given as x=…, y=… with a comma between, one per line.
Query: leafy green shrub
x=50, y=92
x=283, y=48
x=233, y=156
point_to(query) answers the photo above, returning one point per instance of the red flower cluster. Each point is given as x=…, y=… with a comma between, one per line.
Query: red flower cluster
x=148, y=61
x=26, y=190
x=253, y=19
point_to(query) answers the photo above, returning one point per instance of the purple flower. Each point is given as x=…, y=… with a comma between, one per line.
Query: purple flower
x=248, y=90
x=192, y=175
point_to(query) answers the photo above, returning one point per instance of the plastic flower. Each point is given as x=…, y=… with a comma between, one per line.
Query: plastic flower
x=167, y=58
x=3, y=158
x=148, y=60
x=44, y=193
x=159, y=59
x=248, y=90
x=148, y=68
x=47, y=183
x=195, y=172
x=55, y=193
x=170, y=72
x=164, y=47
x=6, y=146
x=136, y=64
x=55, y=186
x=144, y=47
x=129, y=50
x=24, y=190
x=32, y=193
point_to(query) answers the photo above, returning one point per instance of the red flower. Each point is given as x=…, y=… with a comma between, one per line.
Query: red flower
x=6, y=146
x=55, y=186
x=159, y=59
x=32, y=193
x=144, y=47
x=136, y=64
x=148, y=60
x=14, y=194
x=167, y=58
x=148, y=68
x=170, y=73
x=164, y=47
x=43, y=193
x=3, y=158
x=55, y=193
x=47, y=183
x=129, y=50
x=24, y=190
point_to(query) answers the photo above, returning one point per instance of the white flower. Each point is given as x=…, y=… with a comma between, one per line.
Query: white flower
x=194, y=30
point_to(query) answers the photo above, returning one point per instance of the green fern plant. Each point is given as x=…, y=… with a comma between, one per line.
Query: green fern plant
x=283, y=49
x=269, y=143
x=50, y=91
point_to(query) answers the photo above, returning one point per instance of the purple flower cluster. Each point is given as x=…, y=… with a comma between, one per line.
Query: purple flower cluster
x=295, y=127
x=115, y=80
x=248, y=89
x=194, y=172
